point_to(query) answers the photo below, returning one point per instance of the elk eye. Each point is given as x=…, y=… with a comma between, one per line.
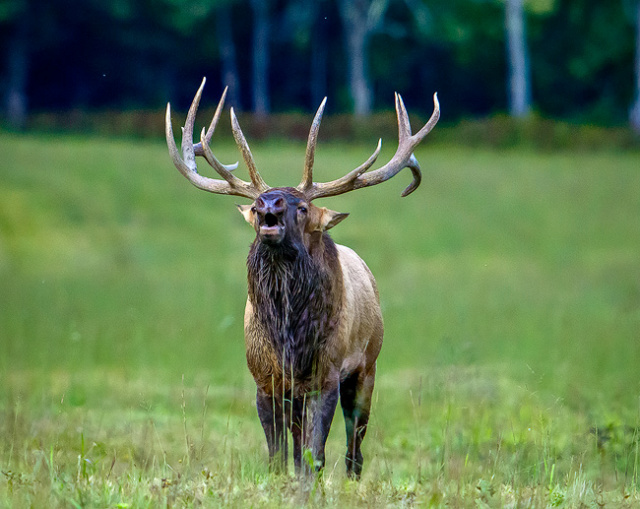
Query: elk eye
x=303, y=210
x=253, y=209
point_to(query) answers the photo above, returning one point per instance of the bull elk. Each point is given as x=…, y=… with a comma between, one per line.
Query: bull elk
x=313, y=326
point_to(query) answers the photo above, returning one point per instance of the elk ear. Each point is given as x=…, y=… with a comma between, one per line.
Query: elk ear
x=247, y=213
x=330, y=218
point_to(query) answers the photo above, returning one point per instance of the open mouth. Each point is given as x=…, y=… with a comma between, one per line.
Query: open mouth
x=271, y=229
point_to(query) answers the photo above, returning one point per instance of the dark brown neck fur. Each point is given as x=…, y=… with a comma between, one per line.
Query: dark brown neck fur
x=296, y=294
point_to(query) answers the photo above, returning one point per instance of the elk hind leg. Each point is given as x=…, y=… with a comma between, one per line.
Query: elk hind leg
x=355, y=399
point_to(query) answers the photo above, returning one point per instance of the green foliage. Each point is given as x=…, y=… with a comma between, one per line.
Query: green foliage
x=509, y=286
x=541, y=6
x=152, y=51
x=9, y=9
x=594, y=44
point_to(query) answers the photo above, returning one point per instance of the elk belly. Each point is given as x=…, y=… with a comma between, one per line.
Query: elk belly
x=361, y=327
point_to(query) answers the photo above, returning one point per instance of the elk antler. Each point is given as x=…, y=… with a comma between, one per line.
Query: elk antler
x=357, y=178
x=187, y=163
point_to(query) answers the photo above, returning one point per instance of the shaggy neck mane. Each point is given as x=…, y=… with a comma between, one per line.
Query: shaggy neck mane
x=296, y=297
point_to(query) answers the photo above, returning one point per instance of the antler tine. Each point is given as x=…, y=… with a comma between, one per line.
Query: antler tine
x=243, y=188
x=197, y=148
x=171, y=143
x=188, y=151
x=404, y=125
x=343, y=184
x=403, y=158
x=433, y=120
x=241, y=141
x=187, y=163
x=307, y=176
x=414, y=166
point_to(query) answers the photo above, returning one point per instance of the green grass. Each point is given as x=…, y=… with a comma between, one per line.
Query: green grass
x=510, y=286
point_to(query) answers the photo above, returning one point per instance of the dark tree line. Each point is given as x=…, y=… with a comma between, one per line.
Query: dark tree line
x=573, y=59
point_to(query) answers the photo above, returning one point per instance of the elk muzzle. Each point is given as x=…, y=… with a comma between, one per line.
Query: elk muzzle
x=270, y=212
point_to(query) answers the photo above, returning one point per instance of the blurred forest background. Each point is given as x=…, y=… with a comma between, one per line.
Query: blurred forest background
x=573, y=60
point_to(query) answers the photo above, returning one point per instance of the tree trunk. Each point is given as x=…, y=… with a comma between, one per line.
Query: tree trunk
x=355, y=23
x=18, y=69
x=230, y=76
x=518, y=60
x=358, y=45
x=260, y=87
x=635, y=109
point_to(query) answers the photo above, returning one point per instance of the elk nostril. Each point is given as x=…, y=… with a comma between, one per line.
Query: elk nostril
x=270, y=219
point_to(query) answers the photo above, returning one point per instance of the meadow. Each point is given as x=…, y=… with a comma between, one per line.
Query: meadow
x=510, y=287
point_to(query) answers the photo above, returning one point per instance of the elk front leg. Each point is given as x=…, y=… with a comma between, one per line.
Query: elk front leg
x=323, y=406
x=297, y=423
x=271, y=415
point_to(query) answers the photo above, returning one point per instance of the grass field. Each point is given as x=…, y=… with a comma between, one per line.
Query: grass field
x=510, y=286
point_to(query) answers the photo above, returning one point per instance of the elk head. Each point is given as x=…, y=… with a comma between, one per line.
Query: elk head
x=286, y=215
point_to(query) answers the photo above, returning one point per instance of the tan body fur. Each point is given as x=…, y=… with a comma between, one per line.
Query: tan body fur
x=355, y=344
